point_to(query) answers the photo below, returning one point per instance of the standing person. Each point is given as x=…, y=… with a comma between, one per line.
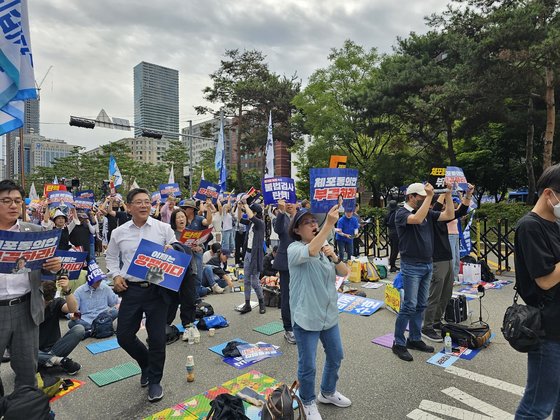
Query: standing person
x=116, y=212
x=347, y=229
x=453, y=236
x=81, y=232
x=22, y=308
x=167, y=209
x=58, y=221
x=415, y=226
x=254, y=255
x=138, y=295
x=313, y=296
x=285, y=212
x=228, y=232
x=393, y=236
x=537, y=275
x=274, y=239
x=240, y=232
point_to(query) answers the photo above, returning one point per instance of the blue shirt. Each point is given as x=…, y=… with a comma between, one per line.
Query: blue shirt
x=196, y=223
x=313, y=296
x=91, y=301
x=347, y=225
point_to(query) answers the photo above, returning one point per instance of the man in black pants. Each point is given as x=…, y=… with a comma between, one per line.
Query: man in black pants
x=139, y=296
x=285, y=213
x=393, y=236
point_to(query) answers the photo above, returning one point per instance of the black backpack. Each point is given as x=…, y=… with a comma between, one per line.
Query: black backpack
x=486, y=274
x=203, y=309
x=171, y=334
x=102, y=326
x=26, y=402
x=522, y=326
x=456, y=310
x=471, y=336
x=227, y=407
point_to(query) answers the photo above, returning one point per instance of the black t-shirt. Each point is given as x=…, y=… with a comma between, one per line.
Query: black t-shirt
x=49, y=330
x=442, y=247
x=113, y=222
x=537, y=251
x=416, y=242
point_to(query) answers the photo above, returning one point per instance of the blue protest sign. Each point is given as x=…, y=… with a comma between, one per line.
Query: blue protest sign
x=456, y=177
x=207, y=190
x=22, y=252
x=83, y=203
x=164, y=268
x=72, y=261
x=60, y=199
x=327, y=184
x=357, y=305
x=278, y=188
x=166, y=190
x=155, y=197
x=95, y=273
x=86, y=194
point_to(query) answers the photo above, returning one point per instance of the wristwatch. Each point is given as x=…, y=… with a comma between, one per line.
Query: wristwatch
x=337, y=261
x=66, y=292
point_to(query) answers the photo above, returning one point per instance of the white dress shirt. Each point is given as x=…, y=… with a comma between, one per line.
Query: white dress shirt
x=125, y=240
x=14, y=285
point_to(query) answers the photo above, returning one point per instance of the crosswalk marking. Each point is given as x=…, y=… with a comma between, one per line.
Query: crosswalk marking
x=486, y=380
x=422, y=415
x=450, y=411
x=473, y=402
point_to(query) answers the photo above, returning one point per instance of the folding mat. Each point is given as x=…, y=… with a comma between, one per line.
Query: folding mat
x=117, y=373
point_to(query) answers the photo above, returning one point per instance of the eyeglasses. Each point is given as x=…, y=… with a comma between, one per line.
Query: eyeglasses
x=10, y=201
x=142, y=203
x=309, y=222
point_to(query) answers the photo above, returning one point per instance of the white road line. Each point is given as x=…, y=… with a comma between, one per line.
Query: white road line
x=422, y=415
x=449, y=411
x=486, y=380
x=477, y=404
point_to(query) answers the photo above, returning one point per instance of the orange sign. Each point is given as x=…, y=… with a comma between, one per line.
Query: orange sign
x=338, y=161
x=53, y=187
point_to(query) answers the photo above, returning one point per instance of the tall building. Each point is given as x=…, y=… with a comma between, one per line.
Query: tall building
x=156, y=99
x=211, y=130
x=142, y=149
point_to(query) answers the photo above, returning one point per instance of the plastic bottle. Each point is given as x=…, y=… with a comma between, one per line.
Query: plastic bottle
x=190, y=369
x=195, y=334
x=447, y=344
x=190, y=336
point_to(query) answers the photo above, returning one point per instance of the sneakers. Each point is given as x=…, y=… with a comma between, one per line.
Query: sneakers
x=419, y=345
x=144, y=378
x=311, y=411
x=337, y=399
x=155, y=392
x=402, y=353
x=432, y=335
x=437, y=326
x=69, y=366
x=262, y=307
x=217, y=289
x=290, y=337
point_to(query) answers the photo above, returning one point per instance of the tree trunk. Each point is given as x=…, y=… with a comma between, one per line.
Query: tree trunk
x=238, y=159
x=450, y=149
x=529, y=153
x=550, y=118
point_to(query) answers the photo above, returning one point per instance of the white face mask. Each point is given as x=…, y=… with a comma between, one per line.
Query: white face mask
x=555, y=207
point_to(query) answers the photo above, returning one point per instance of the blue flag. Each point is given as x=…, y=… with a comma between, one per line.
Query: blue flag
x=220, y=158
x=114, y=173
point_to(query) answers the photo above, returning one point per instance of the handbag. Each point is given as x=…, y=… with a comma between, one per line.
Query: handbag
x=522, y=327
x=471, y=336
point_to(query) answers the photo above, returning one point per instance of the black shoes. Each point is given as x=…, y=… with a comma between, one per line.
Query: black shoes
x=69, y=366
x=419, y=345
x=394, y=269
x=144, y=378
x=402, y=353
x=432, y=335
x=155, y=392
x=245, y=309
x=262, y=307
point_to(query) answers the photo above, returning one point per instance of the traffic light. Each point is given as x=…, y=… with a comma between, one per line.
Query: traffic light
x=152, y=134
x=82, y=122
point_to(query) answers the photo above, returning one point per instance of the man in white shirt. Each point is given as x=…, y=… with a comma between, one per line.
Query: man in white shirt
x=139, y=296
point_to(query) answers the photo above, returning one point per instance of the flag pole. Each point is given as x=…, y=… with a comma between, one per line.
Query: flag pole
x=21, y=160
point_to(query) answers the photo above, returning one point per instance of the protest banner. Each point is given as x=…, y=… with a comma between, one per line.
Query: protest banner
x=251, y=196
x=337, y=161
x=357, y=305
x=195, y=237
x=60, y=199
x=207, y=190
x=86, y=194
x=166, y=190
x=393, y=298
x=278, y=188
x=258, y=351
x=73, y=262
x=95, y=273
x=22, y=252
x=155, y=197
x=163, y=268
x=47, y=188
x=437, y=179
x=327, y=184
x=455, y=176
x=83, y=203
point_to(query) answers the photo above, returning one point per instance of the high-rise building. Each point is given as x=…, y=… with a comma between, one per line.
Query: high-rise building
x=156, y=99
x=142, y=149
x=210, y=130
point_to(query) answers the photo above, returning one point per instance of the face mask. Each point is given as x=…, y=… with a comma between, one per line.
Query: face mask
x=555, y=207
x=419, y=204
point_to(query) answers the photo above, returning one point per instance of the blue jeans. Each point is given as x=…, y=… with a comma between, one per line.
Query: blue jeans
x=307, y=360
x=416, y=279
x=228, y=240
x=542, y=393
x=347, y=247
x=64, y=345
x=454, y=242
x=209, y=278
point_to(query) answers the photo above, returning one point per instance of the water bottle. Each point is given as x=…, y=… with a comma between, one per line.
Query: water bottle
x=190, y=335
x=195, y=334
x=190, y=369
x=447, y=344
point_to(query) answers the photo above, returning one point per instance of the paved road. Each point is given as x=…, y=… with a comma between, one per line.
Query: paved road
x=380, y=385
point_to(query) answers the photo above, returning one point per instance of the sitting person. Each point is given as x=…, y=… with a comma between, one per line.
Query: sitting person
x=268, y=261
x=54, y=349
x=214, y=249
x=215, y=274
x=92, y=300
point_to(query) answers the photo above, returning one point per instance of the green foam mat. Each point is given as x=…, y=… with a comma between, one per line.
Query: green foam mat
x=270, y=328
x=117, y=373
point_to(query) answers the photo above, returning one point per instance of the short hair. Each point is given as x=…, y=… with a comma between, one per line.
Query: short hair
x=173, y=219
x=9, y=185
x=216, y=247
x=49, y=290
x=134, y=192
x=550, y=178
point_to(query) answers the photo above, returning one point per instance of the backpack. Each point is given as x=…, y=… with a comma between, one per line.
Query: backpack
x=213, y=321
x=473, y=337
x=231, y=350
x=227, y=407
x=27, y=402
x=522, y=326
x=171, y=334
x=280, y=404
x=272, y=297
x=382, y=271
x=457, y=309
x=486, y=274
x=102, y=326
x=203, y=309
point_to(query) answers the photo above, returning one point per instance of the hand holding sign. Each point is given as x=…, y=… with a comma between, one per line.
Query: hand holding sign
x=429, y=189
x=52, y=264
x=332, y=216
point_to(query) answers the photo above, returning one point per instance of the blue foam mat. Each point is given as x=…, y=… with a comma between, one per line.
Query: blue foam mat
x=103, y=346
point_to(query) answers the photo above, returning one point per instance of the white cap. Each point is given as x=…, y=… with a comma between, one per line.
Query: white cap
x=416, y=188
x=58, y=213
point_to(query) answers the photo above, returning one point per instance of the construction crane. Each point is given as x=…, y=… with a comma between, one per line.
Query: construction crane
x=41, y=83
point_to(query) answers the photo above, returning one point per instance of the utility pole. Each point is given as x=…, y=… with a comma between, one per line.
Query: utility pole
x=190, y=158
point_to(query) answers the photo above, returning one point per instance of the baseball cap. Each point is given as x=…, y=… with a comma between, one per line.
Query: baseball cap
x=416, y=188
x=225, y=252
